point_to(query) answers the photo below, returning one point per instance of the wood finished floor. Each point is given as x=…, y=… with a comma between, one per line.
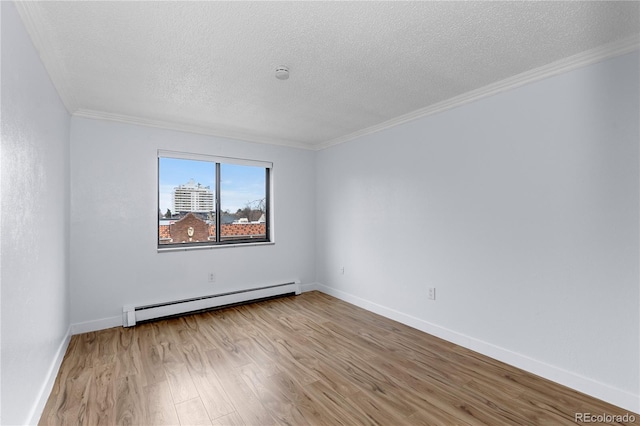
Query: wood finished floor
x=309, y=359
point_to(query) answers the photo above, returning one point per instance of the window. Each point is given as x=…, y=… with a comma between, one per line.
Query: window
x=206, y=201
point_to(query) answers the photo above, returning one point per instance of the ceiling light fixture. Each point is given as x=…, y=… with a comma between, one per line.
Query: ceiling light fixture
x=282, y=72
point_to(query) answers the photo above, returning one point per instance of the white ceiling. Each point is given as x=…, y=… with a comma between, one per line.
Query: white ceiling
x=356, y=67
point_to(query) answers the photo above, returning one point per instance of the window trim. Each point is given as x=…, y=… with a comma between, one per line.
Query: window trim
x=218, y=161
x=214, y=158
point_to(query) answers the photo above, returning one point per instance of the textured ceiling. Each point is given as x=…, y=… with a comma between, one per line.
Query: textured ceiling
x=355, y=66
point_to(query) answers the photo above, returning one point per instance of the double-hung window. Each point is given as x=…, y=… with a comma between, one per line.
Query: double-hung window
x=208, y=201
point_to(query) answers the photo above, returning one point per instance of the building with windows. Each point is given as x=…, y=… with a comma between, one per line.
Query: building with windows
x=192, y=197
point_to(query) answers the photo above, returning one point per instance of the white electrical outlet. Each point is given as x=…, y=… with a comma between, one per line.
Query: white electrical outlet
x=212, y=277
x=342, y=271
x=431, y=293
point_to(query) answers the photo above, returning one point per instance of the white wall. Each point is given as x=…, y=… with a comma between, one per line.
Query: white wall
x=35, y=225
x=521, y=209
x=114, y=260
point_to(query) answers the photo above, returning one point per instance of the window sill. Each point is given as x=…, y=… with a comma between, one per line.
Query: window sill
x=213, y=247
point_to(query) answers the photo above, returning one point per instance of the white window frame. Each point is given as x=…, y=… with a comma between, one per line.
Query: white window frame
x=269, y=240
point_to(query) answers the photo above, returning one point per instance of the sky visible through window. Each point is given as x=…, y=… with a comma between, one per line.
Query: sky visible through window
x=240, y=185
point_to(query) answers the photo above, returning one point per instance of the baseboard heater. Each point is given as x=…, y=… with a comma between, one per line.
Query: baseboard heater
x=134, y=314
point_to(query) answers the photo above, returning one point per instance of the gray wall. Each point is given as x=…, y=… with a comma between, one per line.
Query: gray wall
x=521, y=209
x=114, y=261
x=35, y=223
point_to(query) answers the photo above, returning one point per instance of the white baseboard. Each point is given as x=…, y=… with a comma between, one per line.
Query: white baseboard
x=47, y=386
x=104, y=323
x=309, y=287
x=96, y=325
x=621, y=398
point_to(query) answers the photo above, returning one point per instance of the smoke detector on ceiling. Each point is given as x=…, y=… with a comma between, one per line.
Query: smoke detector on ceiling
x=282, y=72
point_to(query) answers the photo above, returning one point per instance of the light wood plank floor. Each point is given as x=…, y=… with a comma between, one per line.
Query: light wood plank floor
x=309, y=359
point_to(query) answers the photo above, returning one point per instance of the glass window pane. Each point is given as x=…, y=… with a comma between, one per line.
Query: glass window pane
x=243, y=202
x=186, y=201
